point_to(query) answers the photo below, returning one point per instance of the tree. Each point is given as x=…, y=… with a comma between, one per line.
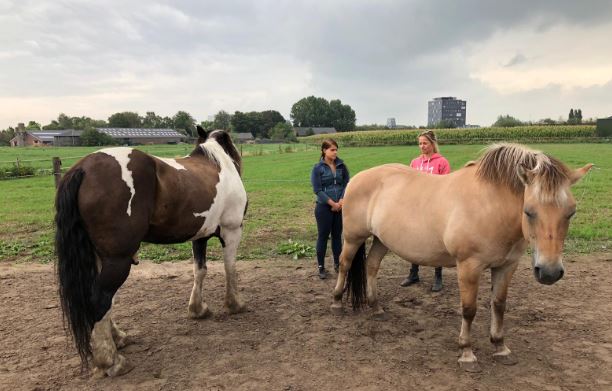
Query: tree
x=311, y=111
x=317, y=112
x=6, y=135
x=342, y=116
x=282, y=131
x=91, y=137
x=578, y=115
x=126, y=119
x=33, y=125
x=571, y=119
x=246, y=123
x=222, y=120
x=506, y=121
x=207, y=125
x=153, y=121
x=54, y=125
x=183, y=121
x=269, y=119
x=80, y=123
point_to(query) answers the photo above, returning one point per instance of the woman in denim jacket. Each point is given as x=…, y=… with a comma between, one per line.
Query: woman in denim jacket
x=329, y=178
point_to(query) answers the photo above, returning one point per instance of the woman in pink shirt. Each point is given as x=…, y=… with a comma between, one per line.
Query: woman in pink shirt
x=431, y=162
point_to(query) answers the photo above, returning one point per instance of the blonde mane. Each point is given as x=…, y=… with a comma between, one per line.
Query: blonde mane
x=500, y=162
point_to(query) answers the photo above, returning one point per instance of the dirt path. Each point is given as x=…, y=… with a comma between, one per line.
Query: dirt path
x=288, y=340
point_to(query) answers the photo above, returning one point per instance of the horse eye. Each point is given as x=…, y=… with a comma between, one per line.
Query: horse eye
x=569, y=216
x=529, y=214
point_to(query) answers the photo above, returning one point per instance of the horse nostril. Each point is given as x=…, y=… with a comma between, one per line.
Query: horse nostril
x=561, y=272
x=536, y=270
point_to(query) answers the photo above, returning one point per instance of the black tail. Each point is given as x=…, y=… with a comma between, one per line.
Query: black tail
x=76, y=263
x=356, y=278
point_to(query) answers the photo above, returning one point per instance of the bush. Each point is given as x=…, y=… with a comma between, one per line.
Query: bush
x=15, y=171
x=296, y=249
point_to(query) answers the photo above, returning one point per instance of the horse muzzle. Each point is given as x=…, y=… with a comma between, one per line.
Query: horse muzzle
x=548, y=275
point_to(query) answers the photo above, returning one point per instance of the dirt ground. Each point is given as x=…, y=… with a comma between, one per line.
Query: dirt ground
x=289, y=340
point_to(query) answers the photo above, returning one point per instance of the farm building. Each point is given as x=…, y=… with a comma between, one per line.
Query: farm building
x=604, y=127
x=132, y=136
x=35, y=139
x=312, y=130
x=242, y=138
x=68, y=138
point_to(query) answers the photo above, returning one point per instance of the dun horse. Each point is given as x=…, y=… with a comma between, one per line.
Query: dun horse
x=480, y=217
x=116, y=198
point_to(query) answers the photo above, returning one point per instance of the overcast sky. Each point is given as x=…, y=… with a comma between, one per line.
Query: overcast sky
x=530, y=59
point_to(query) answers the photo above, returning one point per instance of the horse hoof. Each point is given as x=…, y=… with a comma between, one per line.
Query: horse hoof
x=123, y=342
x=201, y=313
x=121, y=367
x=470, y=366
x=236, y=308
x=505, y=359
x=336, y=309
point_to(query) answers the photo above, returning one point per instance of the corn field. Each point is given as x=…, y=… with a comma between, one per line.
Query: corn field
x=529, y=134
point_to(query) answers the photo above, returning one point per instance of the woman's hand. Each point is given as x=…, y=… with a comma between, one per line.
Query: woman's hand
x=335, y=207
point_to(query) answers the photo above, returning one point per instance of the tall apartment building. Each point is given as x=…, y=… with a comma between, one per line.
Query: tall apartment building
x=446, y=108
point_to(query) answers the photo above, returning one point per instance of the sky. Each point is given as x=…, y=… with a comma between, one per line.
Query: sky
x=529, y=59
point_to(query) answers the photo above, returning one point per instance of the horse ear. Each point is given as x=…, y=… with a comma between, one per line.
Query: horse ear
x=579, y=173
x=201, y=132
x=524, y=174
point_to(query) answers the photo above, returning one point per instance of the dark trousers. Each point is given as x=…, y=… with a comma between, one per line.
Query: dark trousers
x=328, y=222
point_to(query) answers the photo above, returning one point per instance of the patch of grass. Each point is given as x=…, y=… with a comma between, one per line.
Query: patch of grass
x=281, y=202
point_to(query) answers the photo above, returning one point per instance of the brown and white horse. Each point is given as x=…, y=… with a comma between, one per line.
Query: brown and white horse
x=114, y=199
x=480, y=217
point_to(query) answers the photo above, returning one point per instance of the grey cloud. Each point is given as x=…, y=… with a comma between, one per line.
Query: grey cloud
x=384, y=57
x=516, y=60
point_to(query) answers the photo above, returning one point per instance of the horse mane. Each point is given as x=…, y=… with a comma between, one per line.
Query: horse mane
x=499, y=163
x=221, y=148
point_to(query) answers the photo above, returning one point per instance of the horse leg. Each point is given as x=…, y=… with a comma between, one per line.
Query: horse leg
x=231, y=238
x=198, y=308
x=349, y=250
x=468, y=273
x=119, y=337
x=113, y=274
x=500, y=279
x=377, y=252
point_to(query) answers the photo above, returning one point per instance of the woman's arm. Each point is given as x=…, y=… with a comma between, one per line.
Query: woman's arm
x=317, y=187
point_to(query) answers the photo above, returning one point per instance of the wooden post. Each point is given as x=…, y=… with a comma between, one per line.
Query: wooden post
x=57, y=170
x=240, y=150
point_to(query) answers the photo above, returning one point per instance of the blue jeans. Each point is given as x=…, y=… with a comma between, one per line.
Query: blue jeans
x=328, y=222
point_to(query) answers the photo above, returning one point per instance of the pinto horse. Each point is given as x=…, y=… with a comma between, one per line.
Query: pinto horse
x=114, y=199
x=480, y=217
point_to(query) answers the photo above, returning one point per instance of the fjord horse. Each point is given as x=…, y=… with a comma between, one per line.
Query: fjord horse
x=480, y=217
x=114, y=199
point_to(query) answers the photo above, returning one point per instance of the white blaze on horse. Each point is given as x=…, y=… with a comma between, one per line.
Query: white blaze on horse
x=480, y=217
x=114, y=199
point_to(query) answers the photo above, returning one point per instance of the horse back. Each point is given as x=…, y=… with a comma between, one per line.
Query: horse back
x=184, y=192
x=116, y=197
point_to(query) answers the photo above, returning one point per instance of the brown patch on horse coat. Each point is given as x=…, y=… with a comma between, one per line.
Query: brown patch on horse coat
x=104, y=196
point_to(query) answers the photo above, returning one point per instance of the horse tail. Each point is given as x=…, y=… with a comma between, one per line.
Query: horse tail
x=356, y=278
x=76, y=263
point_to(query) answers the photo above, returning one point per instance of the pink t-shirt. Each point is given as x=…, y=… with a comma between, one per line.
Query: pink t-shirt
x=436, y=164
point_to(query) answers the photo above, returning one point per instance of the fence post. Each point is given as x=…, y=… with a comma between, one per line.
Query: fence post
x=57, y=170
x=240, y=150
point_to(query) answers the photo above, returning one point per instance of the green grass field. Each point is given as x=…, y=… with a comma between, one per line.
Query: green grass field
x=281, y=200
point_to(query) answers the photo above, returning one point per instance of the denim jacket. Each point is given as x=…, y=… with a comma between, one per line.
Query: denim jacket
x=325, y=184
